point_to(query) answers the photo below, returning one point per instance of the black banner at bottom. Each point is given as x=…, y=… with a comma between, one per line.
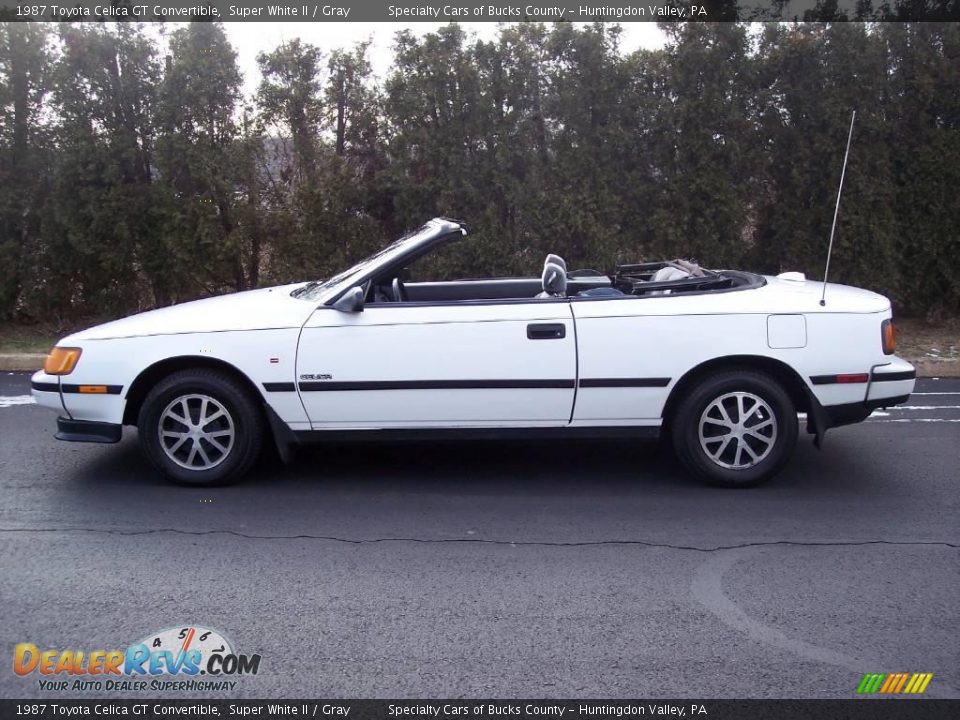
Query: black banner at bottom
x=854, y=709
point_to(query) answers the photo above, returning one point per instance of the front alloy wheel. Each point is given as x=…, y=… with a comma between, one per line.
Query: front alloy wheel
x=196, y=432
x=201, y=427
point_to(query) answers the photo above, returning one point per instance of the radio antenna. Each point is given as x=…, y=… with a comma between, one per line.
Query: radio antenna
x=836, y=210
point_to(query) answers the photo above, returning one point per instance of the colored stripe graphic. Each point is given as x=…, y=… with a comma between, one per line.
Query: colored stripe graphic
x=894, y=683
x=922, y=684
x=901, y=682
x=870, y=683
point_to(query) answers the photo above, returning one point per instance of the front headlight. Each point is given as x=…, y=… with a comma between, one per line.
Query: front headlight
x=61, y=360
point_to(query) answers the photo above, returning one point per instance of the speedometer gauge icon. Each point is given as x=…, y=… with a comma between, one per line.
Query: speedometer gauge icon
x=190, y=637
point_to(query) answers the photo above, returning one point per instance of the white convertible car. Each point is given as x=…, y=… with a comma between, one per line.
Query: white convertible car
x=722, y=360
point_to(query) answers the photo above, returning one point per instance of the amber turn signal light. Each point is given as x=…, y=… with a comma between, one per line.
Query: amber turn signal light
x=888, y=336
x=61, y=361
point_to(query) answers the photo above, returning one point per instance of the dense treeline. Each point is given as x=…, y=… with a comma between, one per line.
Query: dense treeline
x=133, y=174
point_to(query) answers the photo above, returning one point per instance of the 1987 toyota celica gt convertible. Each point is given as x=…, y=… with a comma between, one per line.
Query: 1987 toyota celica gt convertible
x=723, y=360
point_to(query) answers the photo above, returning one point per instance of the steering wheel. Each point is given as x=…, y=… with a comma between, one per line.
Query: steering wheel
x=398, y=290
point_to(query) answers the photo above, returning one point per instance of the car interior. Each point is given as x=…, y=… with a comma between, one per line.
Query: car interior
x=557, y=282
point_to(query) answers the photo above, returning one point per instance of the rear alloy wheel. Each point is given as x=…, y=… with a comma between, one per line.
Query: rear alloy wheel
x=735, y=429
x=200, y=427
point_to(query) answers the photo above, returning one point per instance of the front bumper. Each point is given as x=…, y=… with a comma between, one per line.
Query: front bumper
x=70, y=397
x=87, y=431
x=46, y=391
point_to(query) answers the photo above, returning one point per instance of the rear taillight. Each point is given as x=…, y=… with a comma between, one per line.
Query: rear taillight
x=888, y=337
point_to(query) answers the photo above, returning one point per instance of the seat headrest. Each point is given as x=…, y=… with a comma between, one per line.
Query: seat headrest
x=554, y=279
x=556, y=259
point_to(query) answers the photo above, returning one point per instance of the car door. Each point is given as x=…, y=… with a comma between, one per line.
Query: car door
x=449, y=364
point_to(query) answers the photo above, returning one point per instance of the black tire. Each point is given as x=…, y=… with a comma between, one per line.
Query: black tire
x=242, y=417
x=771, y=449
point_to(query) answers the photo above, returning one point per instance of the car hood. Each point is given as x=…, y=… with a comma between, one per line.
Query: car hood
x=251, y=310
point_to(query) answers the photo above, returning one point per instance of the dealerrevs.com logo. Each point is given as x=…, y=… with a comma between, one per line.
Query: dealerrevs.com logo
x=177, y=659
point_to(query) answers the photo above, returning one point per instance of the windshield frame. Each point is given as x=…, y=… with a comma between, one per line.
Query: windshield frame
x=412, y=244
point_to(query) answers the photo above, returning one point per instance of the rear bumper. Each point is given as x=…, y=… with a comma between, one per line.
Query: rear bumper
x=851, y=413
x=88, y=431
x=894, y=379
x=888, y=384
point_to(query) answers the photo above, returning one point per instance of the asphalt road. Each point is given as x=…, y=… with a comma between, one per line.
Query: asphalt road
x=501, y=570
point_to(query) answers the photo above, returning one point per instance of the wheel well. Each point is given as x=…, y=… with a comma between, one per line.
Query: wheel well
x=147, y=379
x=781, y=372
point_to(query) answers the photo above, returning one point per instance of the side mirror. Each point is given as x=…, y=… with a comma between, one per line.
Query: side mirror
x=350, y=301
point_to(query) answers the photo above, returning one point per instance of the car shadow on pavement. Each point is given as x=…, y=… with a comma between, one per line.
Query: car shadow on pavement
x=582, y=466
x=491, y=467
x=596, y=491
x=487, y=468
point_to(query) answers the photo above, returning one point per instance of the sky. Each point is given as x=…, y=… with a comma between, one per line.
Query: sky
x=251, y=38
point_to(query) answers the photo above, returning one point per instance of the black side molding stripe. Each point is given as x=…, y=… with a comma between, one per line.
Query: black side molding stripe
x=280, y=387
x=890, y=377
x=623, y=382
x=329, y=386
x=53, y=387
x=111, y=389
x=823, y=379
x=324, y=386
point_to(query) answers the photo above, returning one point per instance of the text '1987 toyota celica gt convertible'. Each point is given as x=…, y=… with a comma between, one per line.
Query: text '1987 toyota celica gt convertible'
x=723, y=360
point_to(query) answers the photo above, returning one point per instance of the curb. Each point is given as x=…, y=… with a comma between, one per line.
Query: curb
x=935, y=368
x=21, y=361
x=926, y=368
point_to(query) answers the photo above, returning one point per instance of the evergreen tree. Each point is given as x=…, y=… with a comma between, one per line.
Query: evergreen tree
x=127, y=181
x=198, y=130
x=25, y=59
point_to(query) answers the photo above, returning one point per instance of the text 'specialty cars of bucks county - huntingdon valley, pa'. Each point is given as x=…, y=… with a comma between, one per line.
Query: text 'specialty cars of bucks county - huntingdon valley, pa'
x=725, y=360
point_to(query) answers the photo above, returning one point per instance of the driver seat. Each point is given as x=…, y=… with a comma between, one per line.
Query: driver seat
x=554, y=280
x=556, y=259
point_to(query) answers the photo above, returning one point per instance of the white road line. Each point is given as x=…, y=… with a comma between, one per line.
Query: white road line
x=933, y=393
x=925, y=407
x=11, y=400
x=910, y=420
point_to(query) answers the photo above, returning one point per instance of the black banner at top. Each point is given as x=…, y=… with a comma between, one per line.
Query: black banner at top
x=411, y=11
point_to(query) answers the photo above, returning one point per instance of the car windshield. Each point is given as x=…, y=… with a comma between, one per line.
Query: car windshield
x=317, y=288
